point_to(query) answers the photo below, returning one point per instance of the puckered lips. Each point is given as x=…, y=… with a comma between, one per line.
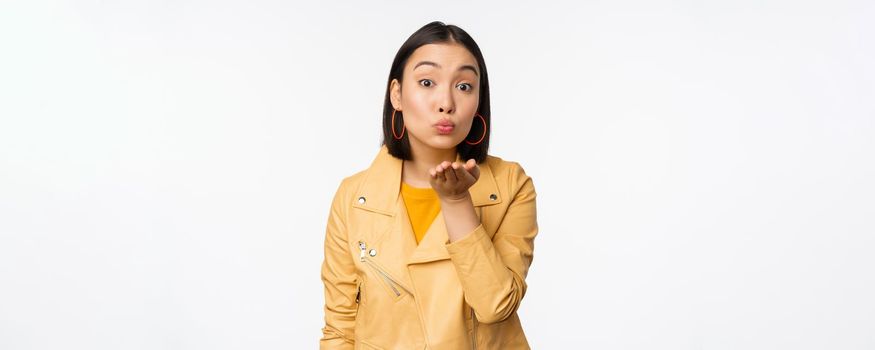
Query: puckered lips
x=445, y=126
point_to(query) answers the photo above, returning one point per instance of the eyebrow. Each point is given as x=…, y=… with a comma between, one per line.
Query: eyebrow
x=430, y=63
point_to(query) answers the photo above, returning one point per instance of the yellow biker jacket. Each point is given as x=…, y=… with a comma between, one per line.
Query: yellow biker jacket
x=383, y=291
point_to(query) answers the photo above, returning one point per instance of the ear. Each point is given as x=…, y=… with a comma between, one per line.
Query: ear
x=395, y=94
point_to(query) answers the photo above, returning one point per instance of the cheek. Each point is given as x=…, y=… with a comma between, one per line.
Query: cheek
x=467, y=100
x=469, y=105
x=417, y=100
x=416, y=105
x=468, y=122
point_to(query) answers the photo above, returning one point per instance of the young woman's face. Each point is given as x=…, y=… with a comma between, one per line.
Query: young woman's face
x=441, y=86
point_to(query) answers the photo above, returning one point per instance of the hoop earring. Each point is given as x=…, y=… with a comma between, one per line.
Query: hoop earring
x=484, y=131
x=393, y=126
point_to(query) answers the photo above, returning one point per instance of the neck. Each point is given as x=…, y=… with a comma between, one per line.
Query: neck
x=415, y=172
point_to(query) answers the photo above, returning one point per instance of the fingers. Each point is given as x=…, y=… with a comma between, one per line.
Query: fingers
x=432, y=176
x=463, y=174
x=451, y=173
x=472, y=170
x=475, y=169
x=441, y=172
x=470, y=164
x=434, y=172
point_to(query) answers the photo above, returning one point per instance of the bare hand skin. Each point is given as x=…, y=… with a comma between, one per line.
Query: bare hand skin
x=451, y=181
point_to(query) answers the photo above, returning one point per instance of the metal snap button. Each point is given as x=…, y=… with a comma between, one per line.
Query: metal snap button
x=493, y=197
x=373, y=252
x=361, y=200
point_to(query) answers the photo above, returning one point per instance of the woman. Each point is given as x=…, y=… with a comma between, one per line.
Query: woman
x=429, y=247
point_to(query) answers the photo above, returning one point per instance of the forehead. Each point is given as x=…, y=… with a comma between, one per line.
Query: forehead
x=446, y=55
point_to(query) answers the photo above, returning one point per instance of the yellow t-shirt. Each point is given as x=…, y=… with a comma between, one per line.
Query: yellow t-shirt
x=422, y=205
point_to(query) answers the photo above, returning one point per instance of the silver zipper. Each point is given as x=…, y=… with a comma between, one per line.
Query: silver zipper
x=389, y=280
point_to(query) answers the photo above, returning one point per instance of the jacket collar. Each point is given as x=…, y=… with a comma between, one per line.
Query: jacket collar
x=382, y=184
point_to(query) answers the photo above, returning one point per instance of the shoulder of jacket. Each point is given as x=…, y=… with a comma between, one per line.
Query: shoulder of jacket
x=505, y=168
x=354, y=179
x=350, y=183
x=510, y=175
x=344, y=191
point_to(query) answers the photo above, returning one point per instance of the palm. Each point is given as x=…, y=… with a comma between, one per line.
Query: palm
x=452, y=180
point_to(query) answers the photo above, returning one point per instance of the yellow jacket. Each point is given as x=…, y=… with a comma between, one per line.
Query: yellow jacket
x=383, y=291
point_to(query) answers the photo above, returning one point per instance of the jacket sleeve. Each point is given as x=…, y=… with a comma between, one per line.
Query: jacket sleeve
x=493, y=271
x=339, y=279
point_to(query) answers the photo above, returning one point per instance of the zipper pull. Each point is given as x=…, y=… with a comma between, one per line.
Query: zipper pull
x=362, y=253
x=358, y=294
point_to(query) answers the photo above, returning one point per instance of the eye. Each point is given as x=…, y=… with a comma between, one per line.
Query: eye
x=421, y=82
x=468, y=86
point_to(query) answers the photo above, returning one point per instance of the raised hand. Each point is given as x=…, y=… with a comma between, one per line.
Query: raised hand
x=452, y=180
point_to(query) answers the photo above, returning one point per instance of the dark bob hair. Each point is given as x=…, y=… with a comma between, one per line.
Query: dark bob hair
x=434, y=33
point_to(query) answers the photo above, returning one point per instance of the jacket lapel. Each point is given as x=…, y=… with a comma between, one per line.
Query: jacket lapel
x=382, y=184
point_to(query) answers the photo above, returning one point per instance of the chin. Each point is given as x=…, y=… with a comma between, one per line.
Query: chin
x=443, y=143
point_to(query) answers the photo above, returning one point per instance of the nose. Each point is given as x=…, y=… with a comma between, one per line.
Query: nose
x=446, y=103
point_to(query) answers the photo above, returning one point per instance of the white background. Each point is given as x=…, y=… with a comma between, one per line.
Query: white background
x=704, y=169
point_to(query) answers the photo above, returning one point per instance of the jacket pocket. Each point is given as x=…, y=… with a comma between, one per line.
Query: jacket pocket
x=390, y=284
